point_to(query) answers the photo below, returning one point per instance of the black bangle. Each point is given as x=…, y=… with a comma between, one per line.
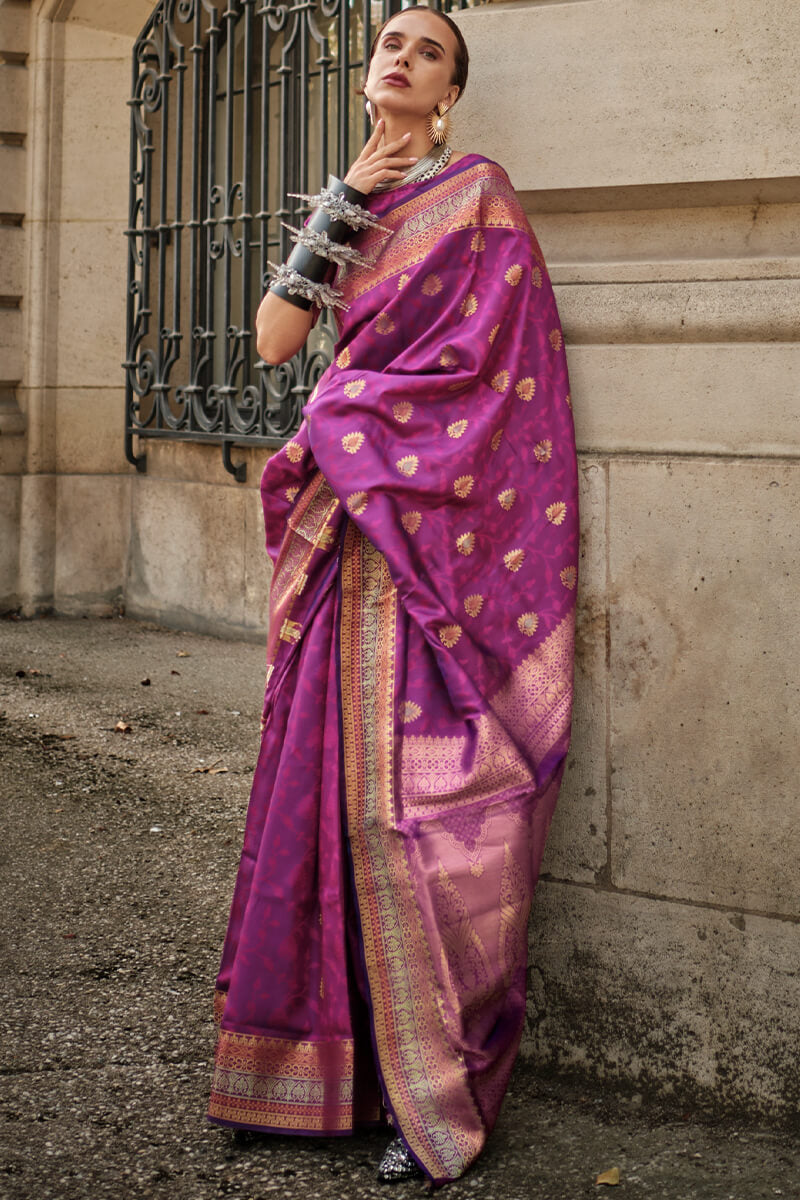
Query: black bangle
x=305, y=277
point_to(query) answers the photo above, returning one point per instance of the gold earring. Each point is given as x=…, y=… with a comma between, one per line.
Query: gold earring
x=438, y=125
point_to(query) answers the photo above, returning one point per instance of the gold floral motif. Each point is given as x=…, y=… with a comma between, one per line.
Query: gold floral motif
x=463, y=486
x=556, y=340
x=473, y=604
x=465, y=544
x=555, y=513
x=469, y=305
x=290, y=631
x=568, y=399
x=476, y=869
x=526, y=388
x=536, y=277
x=500, y=381
x=514, y=559
x=478, y=242
x=569, y=577
x=514, y=909
x=496, y=439
x=457, y=429
x=514, y=274
x=528, y=623
x=343, y=359
x=449, y=635
x=432, y=285
x=448, y=357
x=410, y=712
x=466, y=968
x=407, y=465
x=402, y=281
x=411, y=521
x=357, y=503
x=535, y=702
x=291, y=492
x=402, y=411
x=384, y=323
x=294, y=452
x=493, y=334
x=354, y=388
x=352, y=442
x=543, y=450
x=507, y=498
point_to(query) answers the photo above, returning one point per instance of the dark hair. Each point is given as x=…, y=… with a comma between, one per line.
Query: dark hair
x=462, y=54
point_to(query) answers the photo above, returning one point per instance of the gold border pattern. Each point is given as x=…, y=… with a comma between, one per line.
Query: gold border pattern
x=425, y=1077
x=535, y=703
x=283, y=1084
x=479, y=196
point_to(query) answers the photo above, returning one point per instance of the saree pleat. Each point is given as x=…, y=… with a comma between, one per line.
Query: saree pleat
x=423, y=526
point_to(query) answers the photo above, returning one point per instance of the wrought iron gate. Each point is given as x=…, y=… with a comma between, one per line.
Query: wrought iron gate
x=233, y=105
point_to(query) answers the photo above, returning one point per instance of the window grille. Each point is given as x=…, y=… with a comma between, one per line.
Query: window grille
x=233, y=105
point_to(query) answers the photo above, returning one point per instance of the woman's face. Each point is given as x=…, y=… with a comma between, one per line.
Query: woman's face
x=413, y=65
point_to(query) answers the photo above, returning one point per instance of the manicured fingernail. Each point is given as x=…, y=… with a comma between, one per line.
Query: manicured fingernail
x=413, y=160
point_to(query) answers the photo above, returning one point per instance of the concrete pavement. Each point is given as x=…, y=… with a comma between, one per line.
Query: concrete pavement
x=118, y=854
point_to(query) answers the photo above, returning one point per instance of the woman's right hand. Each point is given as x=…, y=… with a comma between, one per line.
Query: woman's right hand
x=377, y=162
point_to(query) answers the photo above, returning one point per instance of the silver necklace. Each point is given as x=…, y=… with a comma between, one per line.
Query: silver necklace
x=429, y=165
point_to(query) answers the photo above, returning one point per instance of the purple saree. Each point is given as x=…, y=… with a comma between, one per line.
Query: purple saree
x=423, y=526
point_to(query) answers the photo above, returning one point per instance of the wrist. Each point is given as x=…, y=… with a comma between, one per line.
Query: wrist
x=321, y=245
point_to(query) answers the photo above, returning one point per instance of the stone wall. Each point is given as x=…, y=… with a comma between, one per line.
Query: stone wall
x=653, y=146
x=655, y=149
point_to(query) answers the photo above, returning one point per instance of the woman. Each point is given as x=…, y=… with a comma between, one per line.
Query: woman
x=423, y=529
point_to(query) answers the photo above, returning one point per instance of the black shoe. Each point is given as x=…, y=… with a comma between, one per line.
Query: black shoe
x=397, y=1163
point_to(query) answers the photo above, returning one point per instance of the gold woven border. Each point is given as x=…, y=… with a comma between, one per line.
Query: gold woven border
x=477, y=197
x=280, y=1083
x=425, y=1078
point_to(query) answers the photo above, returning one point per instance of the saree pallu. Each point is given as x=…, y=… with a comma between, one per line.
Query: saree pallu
x=423, y=524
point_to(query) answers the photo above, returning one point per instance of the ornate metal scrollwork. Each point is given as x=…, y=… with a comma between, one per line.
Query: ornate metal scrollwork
x=233, y=105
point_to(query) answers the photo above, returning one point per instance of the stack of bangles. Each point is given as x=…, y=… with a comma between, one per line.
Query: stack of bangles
x=337, y=217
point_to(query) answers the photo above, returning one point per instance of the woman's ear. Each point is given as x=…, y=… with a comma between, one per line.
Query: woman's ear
x=453, y=92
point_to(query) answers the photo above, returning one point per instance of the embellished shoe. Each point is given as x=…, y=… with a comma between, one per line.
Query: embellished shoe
x=398, y=1164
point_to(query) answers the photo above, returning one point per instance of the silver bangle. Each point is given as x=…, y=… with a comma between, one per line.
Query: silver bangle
x=318, y=242
x=321, y=294
x=339, y=209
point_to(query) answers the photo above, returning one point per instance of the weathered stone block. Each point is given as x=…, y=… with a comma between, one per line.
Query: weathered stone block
x=188, y=555
x=15, y=24
x=91, y=305
x=668, y=997
x=92, y=535
x=9, y=541
x=707, y=399
x=576, y=848
x=756, y=310
x=12, y=262
x=13, y=97
x=94, y=145
x=104, y=28
x=705, y=680
x=257, y=566
x=11, y=349
x=13, y=166
x=676, y=92
x=89, y=423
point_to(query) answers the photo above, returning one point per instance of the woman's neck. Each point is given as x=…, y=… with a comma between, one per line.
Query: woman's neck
x=419, y=144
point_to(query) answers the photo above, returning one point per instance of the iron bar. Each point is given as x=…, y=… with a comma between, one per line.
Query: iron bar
x=225, y=121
